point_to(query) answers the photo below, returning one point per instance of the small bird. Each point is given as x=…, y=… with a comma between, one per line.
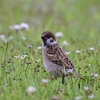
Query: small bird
x=54, y=58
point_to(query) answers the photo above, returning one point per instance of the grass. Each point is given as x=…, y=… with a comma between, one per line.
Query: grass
x=79, y=23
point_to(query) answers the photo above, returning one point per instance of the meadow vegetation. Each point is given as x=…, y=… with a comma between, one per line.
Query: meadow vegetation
x=22, y=74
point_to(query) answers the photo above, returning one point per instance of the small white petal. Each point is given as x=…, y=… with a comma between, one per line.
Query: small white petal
x=2, y=37
x=78, y=51
x=91, y=48
x=38, y=60
x=91, y=96
x=39, y=47
x=65, y=43
x=15, y=27
x=67, y=53
x=86, y=88
x=24, y=56
x=31, y=90
x=5, y=40
x=95, y=75
x=59, y=34
x=21, y=57
x=23, y=37
x=10, y=38
x=78, y=98
x=17, y=56
x=89, y=65
x=69, y=70
x=24, y=26
x=44, y=81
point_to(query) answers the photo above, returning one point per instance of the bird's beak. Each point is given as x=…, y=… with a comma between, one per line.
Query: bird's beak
x=42, y=36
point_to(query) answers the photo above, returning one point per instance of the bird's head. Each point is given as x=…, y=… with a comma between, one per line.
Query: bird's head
x=48, y=38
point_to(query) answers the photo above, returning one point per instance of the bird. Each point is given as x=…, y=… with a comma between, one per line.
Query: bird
x=55, y=60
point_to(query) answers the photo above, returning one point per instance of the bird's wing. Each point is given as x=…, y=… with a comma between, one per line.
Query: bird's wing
x=57, y=56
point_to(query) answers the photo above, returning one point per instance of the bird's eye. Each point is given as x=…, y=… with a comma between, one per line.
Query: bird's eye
x=51, y=40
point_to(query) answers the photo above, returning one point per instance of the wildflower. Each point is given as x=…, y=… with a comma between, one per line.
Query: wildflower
x=91, y=48
x=39, y=47
x=17, y=56
x=15, y=27
x=44, y=81
x=78, y=51
x=95, y=75
x=2, y=37
x=21, y=57
x=31, y=90
x=23, y=38
x=10, y=37
x=91, y=96
x=55, y=97
x=67, y=53
x=89, y=65
x=38, y=60
x=65, y=43
x=69, y=70
x=24, y=26
x=59, y=34
x=86, y=88
x=18, y=27
x=78, y=98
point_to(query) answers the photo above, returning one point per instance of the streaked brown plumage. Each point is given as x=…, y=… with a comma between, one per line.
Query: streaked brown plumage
x=54, y=58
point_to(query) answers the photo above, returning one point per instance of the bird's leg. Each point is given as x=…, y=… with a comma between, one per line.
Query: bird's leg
x=63, y=76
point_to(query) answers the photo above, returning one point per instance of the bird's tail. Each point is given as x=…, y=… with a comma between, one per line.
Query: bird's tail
x=76, y=74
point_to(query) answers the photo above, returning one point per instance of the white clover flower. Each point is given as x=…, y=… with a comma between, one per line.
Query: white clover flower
x=24, y=26
x=86, y=88
x=38, y=60
x=78, y=51
x=18, y=27
x=95, y=75
x=21, y=56
x=17, y=56
x=59, y=34
x=5, y=40
x=69, y=70
x=67, y=53
x=78, y=98
x=23, y=38
x=10, y=38
x=91, y=96
x=39, y=47
x=2, y=37
x=91, y=48
x=55, y=97
x=44, y=81
x=89, y=65
x=31, y=90
x=15, y=27
x=65, y=43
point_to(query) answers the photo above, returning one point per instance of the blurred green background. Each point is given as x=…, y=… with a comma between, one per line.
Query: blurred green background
x=78, y=20
x=72, y=17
